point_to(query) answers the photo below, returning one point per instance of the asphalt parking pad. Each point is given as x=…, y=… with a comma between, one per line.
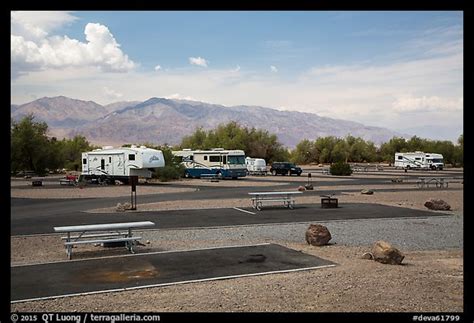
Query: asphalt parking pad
x=74, y=277
x=217, y=217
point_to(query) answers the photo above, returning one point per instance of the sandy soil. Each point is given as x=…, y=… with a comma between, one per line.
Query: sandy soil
x=428, y=281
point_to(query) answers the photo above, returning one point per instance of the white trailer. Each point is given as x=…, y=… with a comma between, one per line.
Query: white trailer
x=418, y=160
x=109, y=164
x=256, y=166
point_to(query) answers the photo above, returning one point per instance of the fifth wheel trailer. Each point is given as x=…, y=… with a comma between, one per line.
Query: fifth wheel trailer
x=109, y=164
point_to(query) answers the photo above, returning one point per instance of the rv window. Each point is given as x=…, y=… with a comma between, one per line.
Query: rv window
x=417, y=158
x=102, y=164
x=84, y=160
x=236, y=160
x=215, y=159
x=400, y=157
x=224, y=159
x=110, y=159
x=131, y=157
x=205, y=157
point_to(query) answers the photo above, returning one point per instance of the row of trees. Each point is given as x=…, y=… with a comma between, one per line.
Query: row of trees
x=351, y=149
x=453, y=154
x=32, y=149
x=330, y=149
x=255, y=142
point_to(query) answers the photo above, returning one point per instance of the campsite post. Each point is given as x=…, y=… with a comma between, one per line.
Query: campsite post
x=133, y=183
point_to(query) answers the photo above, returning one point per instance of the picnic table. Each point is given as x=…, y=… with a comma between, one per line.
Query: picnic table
x=101, y=233
x=286, y=197
x=440, y=182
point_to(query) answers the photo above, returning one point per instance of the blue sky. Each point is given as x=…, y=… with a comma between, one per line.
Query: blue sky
x=401, y=70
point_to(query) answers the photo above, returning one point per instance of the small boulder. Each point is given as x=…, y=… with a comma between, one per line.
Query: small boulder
x=317, y=235
x=437, y=204
x=301, y=188
x=367, y=192
x=122, y=207
x=384, y=253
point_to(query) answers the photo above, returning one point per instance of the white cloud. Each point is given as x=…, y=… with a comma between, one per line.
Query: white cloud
x=38, y=24
x=34, y=51
x=157, y=67
x=273, y=69
x=177, y=96
x=198, y=61
x=426, y=104
x=111, y=94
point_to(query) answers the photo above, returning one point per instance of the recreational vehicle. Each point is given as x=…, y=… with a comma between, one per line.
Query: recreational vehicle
x=435, y=161
x=419, y=160
x=256, y=166
x=109, y=164
x=216, y=162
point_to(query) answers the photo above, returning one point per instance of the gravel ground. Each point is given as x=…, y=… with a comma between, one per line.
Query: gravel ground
x=431, y=233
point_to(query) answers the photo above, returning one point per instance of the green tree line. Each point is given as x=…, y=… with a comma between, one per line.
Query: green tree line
x=32, y=149
x=261, y=144
x=256, y=143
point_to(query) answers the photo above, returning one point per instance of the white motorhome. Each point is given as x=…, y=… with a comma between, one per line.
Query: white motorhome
x=217, y=161
x=435, y=161
x=256, y=166
x=109, y=163
x=419, y=160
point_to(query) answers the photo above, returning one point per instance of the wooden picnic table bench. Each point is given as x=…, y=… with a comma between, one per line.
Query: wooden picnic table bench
x=286, y=197
x=102, y=233
x=440, y=182
x=325, y=171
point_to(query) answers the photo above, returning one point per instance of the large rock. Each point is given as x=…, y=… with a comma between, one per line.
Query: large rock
x=437, y=204
x=317, y=235
x=383, y=252
x=367, y=192
x=301, y=188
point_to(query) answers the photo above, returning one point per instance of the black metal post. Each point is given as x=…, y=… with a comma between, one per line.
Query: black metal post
x=133, y=183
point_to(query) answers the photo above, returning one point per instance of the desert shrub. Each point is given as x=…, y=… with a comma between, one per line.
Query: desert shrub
x=341, y=169
x=168, y=172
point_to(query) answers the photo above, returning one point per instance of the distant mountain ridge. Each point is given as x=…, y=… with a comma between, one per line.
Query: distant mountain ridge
x=160, y=120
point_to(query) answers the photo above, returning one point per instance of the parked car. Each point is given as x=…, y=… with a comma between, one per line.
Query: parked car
x=285, y=168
